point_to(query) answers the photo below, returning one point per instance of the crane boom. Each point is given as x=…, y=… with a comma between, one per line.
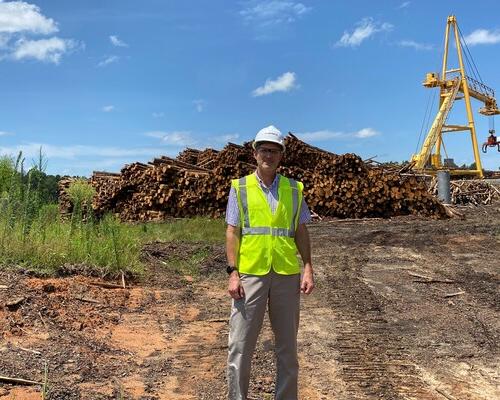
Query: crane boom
x=448, y=98
x=485, y=94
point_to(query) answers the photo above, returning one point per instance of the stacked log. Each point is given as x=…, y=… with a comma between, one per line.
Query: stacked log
x=198, y=182
x=189, y=156
x=207, y=158
x=65, y=206
x=107, y=186
x=233, y=153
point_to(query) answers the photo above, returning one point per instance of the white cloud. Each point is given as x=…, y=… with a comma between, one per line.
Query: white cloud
x=366, y=133
x=31, y=150
x=108, y=60
x=117, y=42
x=364, y=29
x=47, y=50
x=200, y=105
x=404, y=4
x=231, y=137
x=283, y=83
x=3, y=133
x=175, y=138
x=318, y=136
x=326, y=135
x=483, y=36
x=266, y=13
x=18, y=21
x=19, y=17
x=158, y=114
x=415, y=45
x=85, y=159
x=4, y=40
x=108, y=109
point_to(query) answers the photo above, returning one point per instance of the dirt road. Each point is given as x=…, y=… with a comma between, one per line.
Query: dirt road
x=404, y=309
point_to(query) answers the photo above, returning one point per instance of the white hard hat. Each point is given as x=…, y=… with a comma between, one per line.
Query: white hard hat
x=269, y=134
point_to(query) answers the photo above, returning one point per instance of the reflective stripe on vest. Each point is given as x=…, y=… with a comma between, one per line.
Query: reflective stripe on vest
x=265, y=230
x=295, y=200
x=244, y=201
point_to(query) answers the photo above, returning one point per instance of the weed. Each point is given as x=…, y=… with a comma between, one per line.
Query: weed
x=119, y=391
x=45, y=386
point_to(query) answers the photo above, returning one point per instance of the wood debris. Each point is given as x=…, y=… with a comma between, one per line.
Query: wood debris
x=444, y=394
x=428, y=279
x=38, y=353
x=107, y=285
x=469, y=192
x=18, y=381
x=454, y=294
x=86, y=300
x=15, y=302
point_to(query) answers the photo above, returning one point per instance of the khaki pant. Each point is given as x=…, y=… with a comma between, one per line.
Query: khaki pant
x=282, y=295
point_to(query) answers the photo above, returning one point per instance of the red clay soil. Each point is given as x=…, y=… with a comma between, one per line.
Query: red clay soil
x=404, y=309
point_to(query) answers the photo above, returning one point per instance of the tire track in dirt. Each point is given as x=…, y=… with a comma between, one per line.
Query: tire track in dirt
x=397, y=339
x=373, y=362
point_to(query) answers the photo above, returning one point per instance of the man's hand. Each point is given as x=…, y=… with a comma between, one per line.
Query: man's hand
x=235, y=288
x=304, y=246
x=307, y=284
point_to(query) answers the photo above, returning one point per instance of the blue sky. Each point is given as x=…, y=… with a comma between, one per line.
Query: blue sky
x=102, y=83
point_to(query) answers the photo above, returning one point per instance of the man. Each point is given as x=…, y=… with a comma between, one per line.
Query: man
x=266, y=217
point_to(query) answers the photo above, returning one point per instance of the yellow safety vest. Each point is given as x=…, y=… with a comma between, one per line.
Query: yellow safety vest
x=267, y=240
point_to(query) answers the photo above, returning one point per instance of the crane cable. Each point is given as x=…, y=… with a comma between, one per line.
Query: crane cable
x=425, y=119
x=491, y=121
x=427, y=116
x=468, y=55
x=444, y=147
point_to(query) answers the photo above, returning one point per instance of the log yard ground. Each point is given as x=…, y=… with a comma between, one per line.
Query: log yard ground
x=405, y=308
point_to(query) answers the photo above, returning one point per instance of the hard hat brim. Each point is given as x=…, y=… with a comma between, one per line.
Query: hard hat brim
x=254, y=144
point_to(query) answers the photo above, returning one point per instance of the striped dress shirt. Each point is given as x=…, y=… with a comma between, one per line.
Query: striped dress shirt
x=271, y=194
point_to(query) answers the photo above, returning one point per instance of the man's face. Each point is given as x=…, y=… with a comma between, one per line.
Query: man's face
x=268, y=156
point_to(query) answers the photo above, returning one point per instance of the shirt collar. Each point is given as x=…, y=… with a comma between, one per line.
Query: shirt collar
x=273, y=185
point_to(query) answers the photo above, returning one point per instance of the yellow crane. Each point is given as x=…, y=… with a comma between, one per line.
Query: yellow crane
x=454, y=84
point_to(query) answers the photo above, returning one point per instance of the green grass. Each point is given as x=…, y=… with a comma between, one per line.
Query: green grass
x=45, y=386
x=197, y=229
x=188, y=265
x=107, y=245
x=33, y=235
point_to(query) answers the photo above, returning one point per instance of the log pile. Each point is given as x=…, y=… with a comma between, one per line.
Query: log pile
x=198, y=182
x=344, y=186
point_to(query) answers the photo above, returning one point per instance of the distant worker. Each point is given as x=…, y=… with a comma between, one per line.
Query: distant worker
x=266, y=224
